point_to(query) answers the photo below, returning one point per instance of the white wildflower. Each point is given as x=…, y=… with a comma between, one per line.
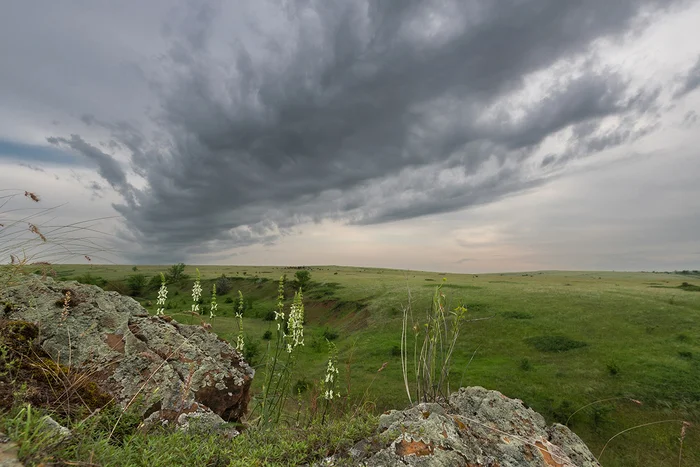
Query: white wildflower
x=296, y=321
x=196, y=294
x=213, y=306
x=162, y=296
x=330, y=380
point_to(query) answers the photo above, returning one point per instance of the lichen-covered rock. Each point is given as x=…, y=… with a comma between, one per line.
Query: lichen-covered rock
x=476, y=427
x=154, y=363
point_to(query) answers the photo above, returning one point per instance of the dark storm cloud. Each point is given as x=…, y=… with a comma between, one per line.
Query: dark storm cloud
x=107, y=166
x=362, y=111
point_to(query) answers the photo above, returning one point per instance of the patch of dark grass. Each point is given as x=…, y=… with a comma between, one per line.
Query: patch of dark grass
x=516, y=315
x=689, y=287
x=685, y=355
x=554, y=343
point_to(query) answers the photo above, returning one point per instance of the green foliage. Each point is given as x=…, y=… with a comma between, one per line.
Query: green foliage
x=89, y=279
x=525, y=364
x=432, y=360
x=267, y=335
x=619, y=314
x=223, y=285
x=91, y=443
x=176, y=272
x=554, y=343
x=302, y=277
x=251, y=352
x=136, y=283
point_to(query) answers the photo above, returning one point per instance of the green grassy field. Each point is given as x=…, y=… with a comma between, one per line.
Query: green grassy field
x=634, y=335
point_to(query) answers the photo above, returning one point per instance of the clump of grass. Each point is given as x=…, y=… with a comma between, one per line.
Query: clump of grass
x=525, y=364
x=554, y=343
x=431, y=364
x=689, y=287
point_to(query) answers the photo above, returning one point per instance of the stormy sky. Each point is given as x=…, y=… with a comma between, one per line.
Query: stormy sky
x=465, y=135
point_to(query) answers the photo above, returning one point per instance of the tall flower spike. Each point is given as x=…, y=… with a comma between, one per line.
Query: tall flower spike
x=213, y=307
x=240, y=341
x=296, y=322
x=162, y=296
x=196, y=294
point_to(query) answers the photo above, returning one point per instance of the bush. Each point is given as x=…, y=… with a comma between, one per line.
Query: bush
x=251, y=352
x=176, y=272
x=268, y=335
x=89, y=279
x=154, y=283
x=302, y=277
x=227, y=299
x=269, y=316
x=136, y=283
x=223, y=285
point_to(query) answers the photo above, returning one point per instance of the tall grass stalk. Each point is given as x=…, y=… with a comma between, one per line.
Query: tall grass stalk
x=28, y=236
x=431, y=364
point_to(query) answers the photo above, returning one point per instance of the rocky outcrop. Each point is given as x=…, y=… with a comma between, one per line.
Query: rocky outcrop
x=476, y=427
x=164, y=368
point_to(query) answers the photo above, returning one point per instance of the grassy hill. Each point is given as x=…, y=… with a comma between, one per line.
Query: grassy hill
x=556, y=340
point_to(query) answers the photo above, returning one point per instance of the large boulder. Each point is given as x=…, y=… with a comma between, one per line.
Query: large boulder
x=476, y=427
x=164, y=368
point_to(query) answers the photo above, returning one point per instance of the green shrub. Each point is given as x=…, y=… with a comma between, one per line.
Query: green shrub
x=268, y=335
x=525, y=364
x=302, y=277
x=136, y=283
x=89, y=279
x=223, y=285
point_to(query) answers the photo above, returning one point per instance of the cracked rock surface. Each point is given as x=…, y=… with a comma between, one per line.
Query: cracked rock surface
x=166, y=368
x=475, y=427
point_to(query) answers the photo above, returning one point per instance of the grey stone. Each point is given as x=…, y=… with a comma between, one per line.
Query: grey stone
x=475, y=427
x=152, y=363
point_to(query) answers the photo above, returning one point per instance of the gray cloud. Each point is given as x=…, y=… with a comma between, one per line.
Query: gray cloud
x=107, y=167
x=362, y=111
x=690, y=81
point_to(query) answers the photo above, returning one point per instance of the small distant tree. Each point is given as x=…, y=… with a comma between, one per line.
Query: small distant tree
x=302, y=277
x=136, y=283
x=176, y=272
x=223, y=285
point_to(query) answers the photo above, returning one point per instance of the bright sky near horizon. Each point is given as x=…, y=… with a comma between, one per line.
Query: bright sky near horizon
x=447, y=135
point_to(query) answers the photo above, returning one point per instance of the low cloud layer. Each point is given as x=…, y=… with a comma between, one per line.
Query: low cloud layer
x=262, y=116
